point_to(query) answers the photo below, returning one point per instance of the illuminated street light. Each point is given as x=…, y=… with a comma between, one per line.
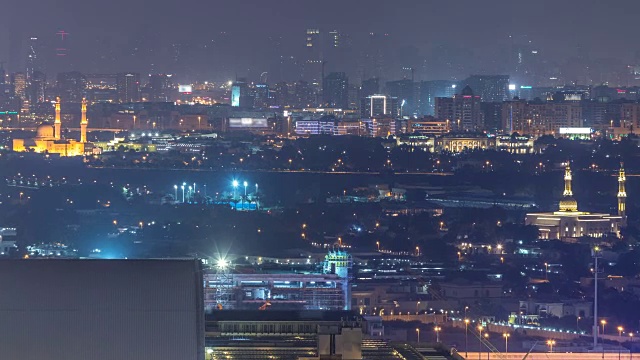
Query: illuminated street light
x=437, y=330
x=550, y=343
x=506, y=342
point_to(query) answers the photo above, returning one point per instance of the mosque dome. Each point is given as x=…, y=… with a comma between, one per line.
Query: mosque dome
x=568, y=204
x=44, y=131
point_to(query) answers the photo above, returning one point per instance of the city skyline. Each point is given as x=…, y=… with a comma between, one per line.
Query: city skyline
x=436, y=40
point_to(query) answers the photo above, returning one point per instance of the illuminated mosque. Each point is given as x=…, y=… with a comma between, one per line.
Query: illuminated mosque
x=570, y=223
x=49, y=137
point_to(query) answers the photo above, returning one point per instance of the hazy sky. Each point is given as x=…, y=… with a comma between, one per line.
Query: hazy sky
x=556, y=27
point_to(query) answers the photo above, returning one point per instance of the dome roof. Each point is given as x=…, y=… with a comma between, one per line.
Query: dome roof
x=568, y=204
x=44, y=131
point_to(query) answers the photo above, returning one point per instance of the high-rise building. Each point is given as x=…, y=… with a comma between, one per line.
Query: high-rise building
x=379, y=105
x=335, y=90
x=305, y=96
x=430, y=90
x=462, y=111
x=37, y=86
x=491, y=115
x=540, y=117
x=370, y=87
x=241, y=95
x=35, y=60
x=159, y=87
x=19, y=83
x=261, y=96
x=405, y=91
x=490, y=88
x=128, y=87
x=281, y=94
x=71, y=86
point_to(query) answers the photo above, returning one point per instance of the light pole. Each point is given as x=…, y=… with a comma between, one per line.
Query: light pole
x=480, y=337
x=603, y=322
x=631, y=347
x=551, y=343
x=437, y=329
x=235, y=187
x=466, y=308
x=596, y=254
x=546, y=271
x=417, y=310
x=466, y=338
x=189, y=193
x=418, y=331
x=175, y=193
x=182, y=193
x=378, y=245
x=506, y=342
x=486, y=338
x=620, y=328
x=578, y=323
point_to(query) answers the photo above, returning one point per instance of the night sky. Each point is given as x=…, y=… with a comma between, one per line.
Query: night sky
x=103, y=33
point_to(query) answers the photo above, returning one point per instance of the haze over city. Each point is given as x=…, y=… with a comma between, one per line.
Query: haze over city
x=335, y=180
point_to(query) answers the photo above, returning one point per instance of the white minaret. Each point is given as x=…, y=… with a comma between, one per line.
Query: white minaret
x=622, y=195
x=57, y=125
x=83, y=122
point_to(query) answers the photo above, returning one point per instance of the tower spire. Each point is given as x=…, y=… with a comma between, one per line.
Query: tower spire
x=57, y=125
x=567, y=181
x=84, y=122
x=622, y=194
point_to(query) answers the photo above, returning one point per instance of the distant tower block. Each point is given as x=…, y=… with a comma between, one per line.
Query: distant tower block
x=622, y=195
x=57, y=123
x=83, y=122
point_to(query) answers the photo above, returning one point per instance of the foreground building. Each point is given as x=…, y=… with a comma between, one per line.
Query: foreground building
x=570, y=223
x=101, y=309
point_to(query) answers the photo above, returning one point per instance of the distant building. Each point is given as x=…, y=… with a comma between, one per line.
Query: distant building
x=71, y=86
x=335, y=90
x=405, y=92
x=128, y=87
x=49, y=139
x=428, y=126
x=462, y=111
x=379, y=105
x=159, y=87
x=570, y=223
x=241, y=95
x=370, y=87
x=430, y=90
x=490, y=88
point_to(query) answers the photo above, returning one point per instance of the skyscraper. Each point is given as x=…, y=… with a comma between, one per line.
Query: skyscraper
x=71, y=86
x=378, y=106
x=19, y=82
x=128, y=87
x=490, y=88
x=405, y=91
x=37, y=86
x=159, y=87
x=430, y=90
x=462, y=111
x=335, y=90
x=370, y=87
x=35, y=60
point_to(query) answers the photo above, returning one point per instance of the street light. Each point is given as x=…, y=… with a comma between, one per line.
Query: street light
x=182, y=193
x=486, y=338
x=603, y=322
x=550, y=343
x=546, y=271
x=506, y=342
x=620, y=329
x=631, y=347
x=466, y=342
x=235, y=187
x=480, y=338
x=578, y=322
x=245, y=188
x=417, y=309
x=378, y=245
x=437, y=330
x=175, y=192
x=418, y=331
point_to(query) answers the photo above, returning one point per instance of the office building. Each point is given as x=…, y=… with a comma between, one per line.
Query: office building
x=370, y=87
x=490, y=88
x=379, y=106
x=405, y=91
x=71, y=86
x=159, y=87
x=241, y=95
x=36, y=89
x=430, y=90
x=335, y=90
x=19, y=83
x=128, y=87
x=101, y=309
x=462, y=111
x=539, y=118
x=261, y=96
